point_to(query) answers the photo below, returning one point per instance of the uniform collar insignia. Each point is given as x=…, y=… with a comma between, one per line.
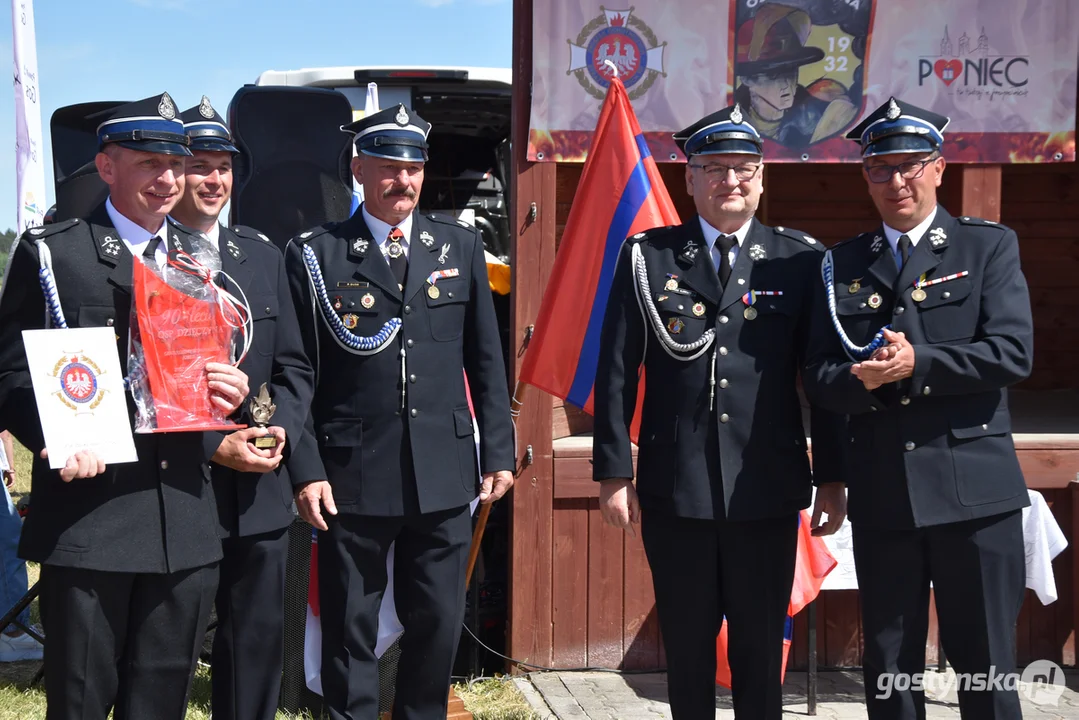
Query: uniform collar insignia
x=233, y=249
x=689, y=252
x=937, y=237
x=427, y=239
x=757, y=252
x=359, y=246
x=878, y=243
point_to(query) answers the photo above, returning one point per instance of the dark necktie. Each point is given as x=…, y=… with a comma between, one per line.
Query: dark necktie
x=725, y=243
x=395, y=254
x=904, y=251
x=149, y=253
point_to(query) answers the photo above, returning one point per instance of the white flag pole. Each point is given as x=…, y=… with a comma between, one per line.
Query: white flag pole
x=370, y=106
x=29, y=149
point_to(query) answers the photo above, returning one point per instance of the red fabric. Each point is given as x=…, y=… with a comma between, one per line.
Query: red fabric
x=812, y=565
x=620, y=194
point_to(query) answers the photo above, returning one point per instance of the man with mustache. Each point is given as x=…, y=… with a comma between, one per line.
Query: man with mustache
x=716, y=311
x=395, y=306
x=939, y=493
x=129, y=552
x=252, y=485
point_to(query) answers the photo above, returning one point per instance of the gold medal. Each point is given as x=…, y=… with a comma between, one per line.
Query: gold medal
x=918, y=295
x=350, y=320
x=698, y=309
x=875, y=300
x=433, y=292
x=750, y=313
x=368, y=301
x=854, y=287
x=671, y=285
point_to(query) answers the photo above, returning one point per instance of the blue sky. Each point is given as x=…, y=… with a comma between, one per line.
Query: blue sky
x=131, y=49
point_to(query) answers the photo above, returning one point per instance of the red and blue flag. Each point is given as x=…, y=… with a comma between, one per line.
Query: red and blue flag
x=620, y=194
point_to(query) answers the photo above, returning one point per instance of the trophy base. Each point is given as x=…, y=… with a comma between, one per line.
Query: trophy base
x=266, y=442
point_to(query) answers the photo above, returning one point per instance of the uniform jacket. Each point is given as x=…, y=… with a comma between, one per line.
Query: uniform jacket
x=936, y=447
x=247, y=503
x=152, y=516
x=388, y=431
x=746, y=458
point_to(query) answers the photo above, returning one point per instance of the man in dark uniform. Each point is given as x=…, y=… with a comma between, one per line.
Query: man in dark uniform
x=129, y=553
x=938, y=493
x=395, y=308
x=252, y=486
x=717, y=312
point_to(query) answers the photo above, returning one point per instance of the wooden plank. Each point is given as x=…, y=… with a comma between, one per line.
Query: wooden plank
x=573, y=479
x=1049, y=468
x=640, y=632
x=1063, y=571
x=981, y=191
x=1073, y=639
x=932, y=640
x=532, y=256
x=568, y=583
x=842, y=629
x=605, y=608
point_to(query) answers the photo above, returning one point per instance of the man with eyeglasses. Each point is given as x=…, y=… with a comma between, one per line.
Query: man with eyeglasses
x=717, y=312
x=922, y=325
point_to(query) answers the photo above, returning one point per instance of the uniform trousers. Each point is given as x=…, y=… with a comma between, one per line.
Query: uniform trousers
x=703, y=571
x=978, y=571
x=430, y=562
x=249, y=643
x=122, y=641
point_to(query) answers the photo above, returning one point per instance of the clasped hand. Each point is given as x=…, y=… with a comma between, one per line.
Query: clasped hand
x=891, y=363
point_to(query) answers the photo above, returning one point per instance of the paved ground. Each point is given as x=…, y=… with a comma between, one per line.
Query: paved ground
x=608, y=696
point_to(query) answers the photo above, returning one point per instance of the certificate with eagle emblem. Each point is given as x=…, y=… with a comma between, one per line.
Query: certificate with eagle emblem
x=80, y=396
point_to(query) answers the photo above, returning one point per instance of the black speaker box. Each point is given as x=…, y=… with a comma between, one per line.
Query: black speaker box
x=73, y=129
x=292, y=173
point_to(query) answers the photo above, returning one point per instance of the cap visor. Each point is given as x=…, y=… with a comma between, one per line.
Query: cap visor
x=896, y=144
x=213, y=146
x=404, y=153
x=155, y=146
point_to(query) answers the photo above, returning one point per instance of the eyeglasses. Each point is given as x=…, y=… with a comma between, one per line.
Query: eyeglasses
x=716, y=172
x=909, y=170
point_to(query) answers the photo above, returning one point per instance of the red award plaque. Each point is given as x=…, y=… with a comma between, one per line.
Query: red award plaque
x=177, y=335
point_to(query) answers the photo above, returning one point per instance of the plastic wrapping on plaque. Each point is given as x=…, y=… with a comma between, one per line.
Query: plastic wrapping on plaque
x=181, y=319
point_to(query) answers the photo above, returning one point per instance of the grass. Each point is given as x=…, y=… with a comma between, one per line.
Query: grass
x=495, y=699
x=489, y=699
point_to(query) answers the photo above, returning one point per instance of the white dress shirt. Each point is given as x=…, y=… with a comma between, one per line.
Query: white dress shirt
x=711, y=235
x=135, y=236
x=380, y=231
x=915, y=234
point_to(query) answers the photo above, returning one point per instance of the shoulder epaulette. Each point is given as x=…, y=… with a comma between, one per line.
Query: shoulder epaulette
x=44, y=231
x=799, y=236
x=852, y=240
x=447, y=220
x=250, y=233
x=651, y=232
x=980, y=222
x=308, y=235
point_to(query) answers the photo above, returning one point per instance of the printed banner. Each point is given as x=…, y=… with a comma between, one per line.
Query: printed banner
x=29, y=150
x=807, y=71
